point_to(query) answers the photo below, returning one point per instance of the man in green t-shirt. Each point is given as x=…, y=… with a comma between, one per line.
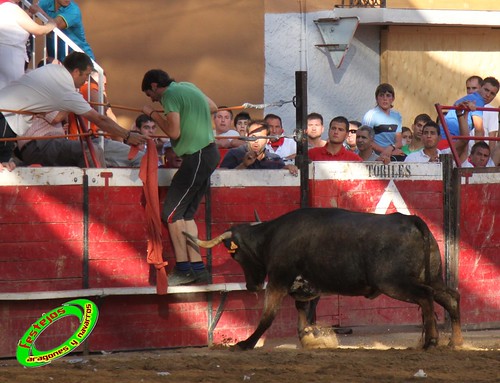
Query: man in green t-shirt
x=186, y=119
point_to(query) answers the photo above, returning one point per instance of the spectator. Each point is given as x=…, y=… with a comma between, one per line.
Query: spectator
x=16, y=26
x=241, y=122
x=473, y=83
x=186, y=120
x=406, y=136
x=54, y=151
x=52, y=87
x=147, y=127
x=386, y=122
x=479, y=156
x=490, y=118
x=364, y=141
x=172, y=160
x=222, y=121
x=68, y=18
x=284, y=147
x=350, y=141
x=431, y=134
x=315, y=129
x=485, y=95
x=254, y=155
x=416, y=141
x=334, y=149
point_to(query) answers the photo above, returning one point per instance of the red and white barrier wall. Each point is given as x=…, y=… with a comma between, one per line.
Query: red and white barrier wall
x=65, y=229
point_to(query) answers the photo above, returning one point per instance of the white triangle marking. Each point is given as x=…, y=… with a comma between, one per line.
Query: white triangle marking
x=392, y=193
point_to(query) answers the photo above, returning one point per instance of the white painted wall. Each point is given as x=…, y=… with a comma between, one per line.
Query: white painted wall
x=348, y=90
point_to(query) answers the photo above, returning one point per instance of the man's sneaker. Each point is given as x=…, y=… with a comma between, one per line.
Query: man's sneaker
x=202, y=276
x=177, y=278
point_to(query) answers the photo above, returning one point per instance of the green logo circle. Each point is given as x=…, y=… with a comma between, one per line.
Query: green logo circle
x=86, y=311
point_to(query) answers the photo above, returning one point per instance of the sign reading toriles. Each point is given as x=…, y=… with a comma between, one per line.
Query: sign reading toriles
x=86, y=311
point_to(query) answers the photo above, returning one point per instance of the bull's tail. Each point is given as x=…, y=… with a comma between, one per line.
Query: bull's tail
x=426, y=236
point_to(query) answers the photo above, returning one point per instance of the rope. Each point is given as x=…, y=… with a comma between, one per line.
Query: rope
x=246, y=105
x=16, y=111
x=243, y=138
x=20, y=138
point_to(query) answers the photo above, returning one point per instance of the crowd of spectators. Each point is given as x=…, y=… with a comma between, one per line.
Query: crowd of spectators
x=379, y=136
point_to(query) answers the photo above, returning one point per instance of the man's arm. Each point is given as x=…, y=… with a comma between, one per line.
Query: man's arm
x=463, y=125
x=477, y=121
x=109, y=126
x=32, y=27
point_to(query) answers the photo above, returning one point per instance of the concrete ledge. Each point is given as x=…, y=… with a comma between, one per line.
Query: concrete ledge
x=116, y=291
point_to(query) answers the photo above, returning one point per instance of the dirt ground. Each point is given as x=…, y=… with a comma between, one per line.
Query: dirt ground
x=381, y=355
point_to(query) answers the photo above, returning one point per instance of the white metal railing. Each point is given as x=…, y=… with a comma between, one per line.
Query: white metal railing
x=59, y=35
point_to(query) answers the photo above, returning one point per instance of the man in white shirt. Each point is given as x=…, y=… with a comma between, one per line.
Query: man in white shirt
x=284, y=147
x=490, y=118
x=54, y=87
x=479, y=156
x=223, y=120
x=431, y=135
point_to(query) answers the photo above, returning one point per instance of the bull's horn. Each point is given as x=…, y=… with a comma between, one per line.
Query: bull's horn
x=257, y=218
x=212, y=242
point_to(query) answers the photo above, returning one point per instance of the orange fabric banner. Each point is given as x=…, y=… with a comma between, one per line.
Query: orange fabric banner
x=148, y=174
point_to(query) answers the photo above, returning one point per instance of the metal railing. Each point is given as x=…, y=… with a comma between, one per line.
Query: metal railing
x=69, y=44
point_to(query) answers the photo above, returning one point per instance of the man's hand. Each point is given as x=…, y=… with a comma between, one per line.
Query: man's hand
x=136, y=138
x=249, y=159
x=384, y=158
x=10, y=166
x=294, y=170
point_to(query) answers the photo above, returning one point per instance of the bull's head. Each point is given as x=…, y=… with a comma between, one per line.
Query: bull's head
x=242, y=250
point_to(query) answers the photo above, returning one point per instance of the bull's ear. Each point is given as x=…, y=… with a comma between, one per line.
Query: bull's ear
x=257, y=218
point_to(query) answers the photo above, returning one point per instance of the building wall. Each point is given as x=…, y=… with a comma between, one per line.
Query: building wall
x=429, y=65
x=248, y=51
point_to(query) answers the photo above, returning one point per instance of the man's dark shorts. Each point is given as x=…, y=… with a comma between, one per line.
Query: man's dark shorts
x=190, y=184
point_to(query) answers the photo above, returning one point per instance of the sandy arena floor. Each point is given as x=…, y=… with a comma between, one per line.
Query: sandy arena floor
x=367, y=355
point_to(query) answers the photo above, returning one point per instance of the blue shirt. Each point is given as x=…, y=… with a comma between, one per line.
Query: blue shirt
x=235, y=156
x=385, y=126
x=74, y=30
x=451, y=117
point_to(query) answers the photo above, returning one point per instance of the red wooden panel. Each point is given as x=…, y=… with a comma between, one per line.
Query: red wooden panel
x=63, y=267
x=48, y=212
x=116, y=231
x=28, y=195
x=39, y=232
x=115, y=273
x=41, y=285
x=48, y=251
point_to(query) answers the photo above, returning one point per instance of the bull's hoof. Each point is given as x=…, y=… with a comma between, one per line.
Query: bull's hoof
x=431, y=343
x=343, y=331
x=313, y=337
x=240, y=346
x=456, y=342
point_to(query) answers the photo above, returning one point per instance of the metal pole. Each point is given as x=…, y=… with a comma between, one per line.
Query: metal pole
x=302, y=159
x=451, y=219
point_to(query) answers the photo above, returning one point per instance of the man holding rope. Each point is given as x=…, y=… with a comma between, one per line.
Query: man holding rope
x=186, y=119
x=53, y=88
